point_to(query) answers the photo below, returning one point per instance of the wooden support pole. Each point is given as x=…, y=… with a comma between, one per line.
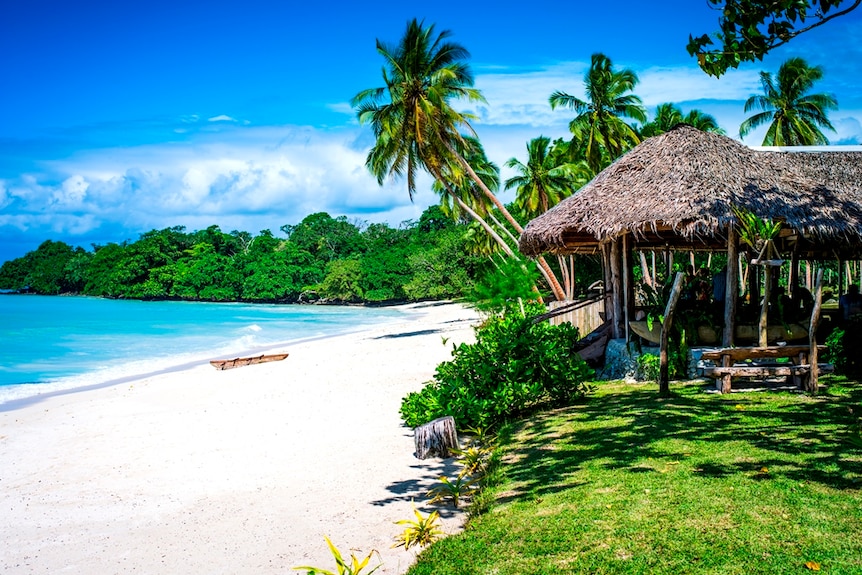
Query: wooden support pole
x=645, y=267
x=664, y=376
x=793, y=279
x=668, y=262
x=840, y=277
x=764, y=308
x=731, y=293
x=606, y=278
x=627, y=283
x=811, y=386
x=616, y=289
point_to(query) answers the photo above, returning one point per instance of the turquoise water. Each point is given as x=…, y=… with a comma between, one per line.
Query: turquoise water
x=55, y=343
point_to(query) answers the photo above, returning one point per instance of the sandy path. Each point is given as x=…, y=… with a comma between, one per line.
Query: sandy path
x=240, y=471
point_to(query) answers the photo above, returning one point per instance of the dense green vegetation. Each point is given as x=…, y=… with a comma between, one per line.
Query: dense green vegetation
x=320, y=258
x=743, y=483
x=514, y=366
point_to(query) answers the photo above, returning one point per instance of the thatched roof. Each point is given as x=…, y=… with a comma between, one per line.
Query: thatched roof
x=678, y=188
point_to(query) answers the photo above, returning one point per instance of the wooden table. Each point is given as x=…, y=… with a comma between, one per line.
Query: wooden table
x=733, y=362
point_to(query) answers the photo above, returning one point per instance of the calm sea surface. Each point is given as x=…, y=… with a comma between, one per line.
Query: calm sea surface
x=55, y=343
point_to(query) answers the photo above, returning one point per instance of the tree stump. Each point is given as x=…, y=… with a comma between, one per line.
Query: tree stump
x=436, y=437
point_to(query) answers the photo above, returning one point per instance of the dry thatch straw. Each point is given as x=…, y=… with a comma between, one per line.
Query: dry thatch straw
x=678, y=189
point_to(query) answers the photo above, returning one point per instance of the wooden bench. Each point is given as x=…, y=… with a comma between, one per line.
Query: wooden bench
x=729, y=359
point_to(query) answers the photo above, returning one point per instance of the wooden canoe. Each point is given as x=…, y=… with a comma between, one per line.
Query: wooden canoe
x=221, y=364
x=592, y=347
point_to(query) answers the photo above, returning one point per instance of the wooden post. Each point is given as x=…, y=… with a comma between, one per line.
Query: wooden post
x=654, y=276
x=840, y=277
x=629, y=271
x=668, y=262
x=731, y=293
x=627, y=283
x=764, y=309
x=664, y=377
x=606, y=278
x=645, y=267
x=793, y=280
x=616, y=288
x=811, y=385
x=437, y=437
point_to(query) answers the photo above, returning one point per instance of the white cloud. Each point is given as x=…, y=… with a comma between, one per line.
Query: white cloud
x=221, y=118
x=660, y=85
x=342, y=108
x=244, y=178
x=848, y=128
x=72, y=192
x=520, y=97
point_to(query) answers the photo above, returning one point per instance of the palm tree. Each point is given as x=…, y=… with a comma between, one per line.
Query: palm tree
x=600, y=121
x=545, y=179
x=794, y=116
x=669, y=115
x=459, y=194
x=414, y=124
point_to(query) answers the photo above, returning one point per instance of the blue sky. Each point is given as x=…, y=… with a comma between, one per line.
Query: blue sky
x=121, y=117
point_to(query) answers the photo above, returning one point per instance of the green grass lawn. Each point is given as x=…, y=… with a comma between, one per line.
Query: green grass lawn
x=757, y=482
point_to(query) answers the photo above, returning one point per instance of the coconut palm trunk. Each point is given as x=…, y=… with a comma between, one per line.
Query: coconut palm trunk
x=544, y=268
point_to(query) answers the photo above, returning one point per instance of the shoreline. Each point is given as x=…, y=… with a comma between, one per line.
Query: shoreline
x=237, y=471
x=32, y=392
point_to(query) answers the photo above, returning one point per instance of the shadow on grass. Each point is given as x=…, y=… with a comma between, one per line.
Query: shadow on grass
x=632, y=430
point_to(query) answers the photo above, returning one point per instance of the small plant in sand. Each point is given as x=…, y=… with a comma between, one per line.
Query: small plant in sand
x=473, y=460
x=456, y=489
x=481, y=436
x=355, y=567
x=423, y=531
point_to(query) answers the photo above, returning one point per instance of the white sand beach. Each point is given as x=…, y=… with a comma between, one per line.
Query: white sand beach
x=234, y=472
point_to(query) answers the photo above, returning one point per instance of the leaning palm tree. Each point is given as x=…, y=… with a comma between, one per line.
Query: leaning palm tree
x=600, y=123
x=415, y=126
x=669, y=115
x=459, y=195
x=794, y=116
x=547, y=178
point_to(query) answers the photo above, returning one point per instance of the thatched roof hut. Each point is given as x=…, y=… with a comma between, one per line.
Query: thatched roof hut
x=676, y=191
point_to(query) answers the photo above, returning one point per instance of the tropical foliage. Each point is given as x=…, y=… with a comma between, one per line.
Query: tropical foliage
x=669, y=115
x=342, y=567
x=793, y=114
x=751, y=28
x=600, y=128
x=546, y=178
x=417, y=128
x=514, y=366
x=422, y=531
x=321, y=258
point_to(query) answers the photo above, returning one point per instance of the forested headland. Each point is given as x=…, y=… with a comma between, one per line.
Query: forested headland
x=323, y=258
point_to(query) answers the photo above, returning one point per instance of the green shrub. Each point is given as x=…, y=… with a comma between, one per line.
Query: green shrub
x=648, y=366
x=513, y=367
x=842, y=347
